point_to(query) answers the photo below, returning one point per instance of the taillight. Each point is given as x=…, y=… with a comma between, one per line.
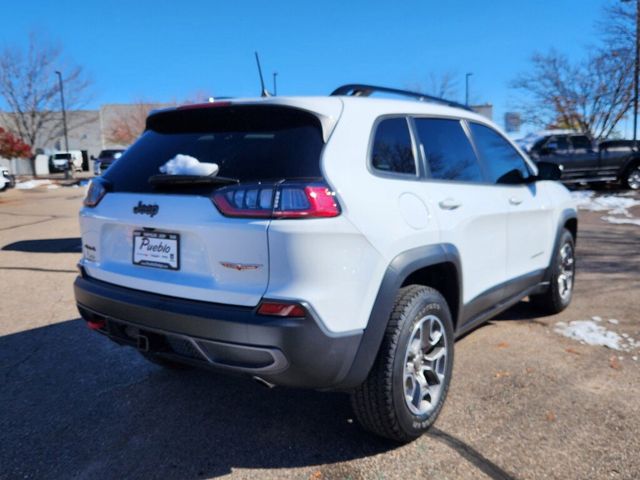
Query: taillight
x=97, y=189
x=283, y=200
x=278, y=309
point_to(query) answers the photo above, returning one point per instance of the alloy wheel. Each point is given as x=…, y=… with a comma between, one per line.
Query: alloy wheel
x=425, y=365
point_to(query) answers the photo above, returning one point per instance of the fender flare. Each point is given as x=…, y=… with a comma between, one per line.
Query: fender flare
x=631, y=160
x=397, y=272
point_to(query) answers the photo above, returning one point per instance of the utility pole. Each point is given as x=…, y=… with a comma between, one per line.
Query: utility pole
x=64, y=124
x=466, y=90
x=636, y=72
x=275, y=88
x=64, y=113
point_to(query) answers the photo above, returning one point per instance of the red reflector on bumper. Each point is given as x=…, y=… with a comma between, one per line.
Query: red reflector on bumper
x=95, y=325
x=281, y=309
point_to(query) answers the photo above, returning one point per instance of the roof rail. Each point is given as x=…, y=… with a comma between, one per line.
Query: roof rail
x=362, y=90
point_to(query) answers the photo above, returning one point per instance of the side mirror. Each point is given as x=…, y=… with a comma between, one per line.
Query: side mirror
x=549, y=171
x=93, y=157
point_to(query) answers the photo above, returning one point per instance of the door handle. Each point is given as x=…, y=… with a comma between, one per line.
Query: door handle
x=449, y=204
x=515, y=201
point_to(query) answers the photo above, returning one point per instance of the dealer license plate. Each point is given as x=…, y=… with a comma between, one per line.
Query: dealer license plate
x=156, y=249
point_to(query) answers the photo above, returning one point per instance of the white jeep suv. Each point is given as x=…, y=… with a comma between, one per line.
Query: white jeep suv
x=338, y=242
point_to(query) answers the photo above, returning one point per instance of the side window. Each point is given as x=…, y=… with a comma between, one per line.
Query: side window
x=581, y=142
x=558, y=143
x=448, y=151
x=392, y=150
x=504, y=163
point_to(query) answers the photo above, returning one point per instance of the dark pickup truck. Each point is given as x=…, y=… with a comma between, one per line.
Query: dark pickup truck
x=583, y=161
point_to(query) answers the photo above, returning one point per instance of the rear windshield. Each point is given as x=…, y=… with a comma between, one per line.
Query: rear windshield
x=62, y=156
x=247, y=143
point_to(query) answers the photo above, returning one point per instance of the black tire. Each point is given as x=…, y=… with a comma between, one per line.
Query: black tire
x=631, y=178
x=553, y=300
x=379, y=403
x=165, y=362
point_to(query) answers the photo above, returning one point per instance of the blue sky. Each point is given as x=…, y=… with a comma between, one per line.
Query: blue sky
x=171, y=50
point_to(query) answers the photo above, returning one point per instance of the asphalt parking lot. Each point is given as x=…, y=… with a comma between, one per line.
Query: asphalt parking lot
x=525, y=402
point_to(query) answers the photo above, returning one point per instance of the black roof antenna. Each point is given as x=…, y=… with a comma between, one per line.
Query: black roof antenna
x=265, y=92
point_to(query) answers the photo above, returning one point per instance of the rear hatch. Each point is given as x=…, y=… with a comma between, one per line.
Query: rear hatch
x=196, y=236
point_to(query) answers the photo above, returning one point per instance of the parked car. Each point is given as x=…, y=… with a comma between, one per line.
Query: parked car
x=6, y=179
x=336, y=243
x=105, y=159
x=58, y=161
x=585, y=161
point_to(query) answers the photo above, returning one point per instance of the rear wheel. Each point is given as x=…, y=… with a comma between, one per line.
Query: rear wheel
x=558, y=295
x=408, y=383
x=632, y=177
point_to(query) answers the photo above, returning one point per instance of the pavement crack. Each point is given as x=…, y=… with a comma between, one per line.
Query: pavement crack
x=53, y=217
x=10, y=368
x=483, y=464
x=36, y=269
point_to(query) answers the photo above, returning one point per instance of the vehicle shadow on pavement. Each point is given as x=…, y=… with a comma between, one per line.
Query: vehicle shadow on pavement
x=48, y=245
x=76, y=405
x=520, y=311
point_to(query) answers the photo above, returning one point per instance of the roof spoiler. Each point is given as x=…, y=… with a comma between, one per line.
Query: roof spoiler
x=362, y=90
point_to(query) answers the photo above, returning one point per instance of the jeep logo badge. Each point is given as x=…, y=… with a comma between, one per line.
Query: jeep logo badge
x=143, y=209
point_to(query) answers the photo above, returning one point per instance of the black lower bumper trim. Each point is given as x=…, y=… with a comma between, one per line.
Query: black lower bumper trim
x=283, y=351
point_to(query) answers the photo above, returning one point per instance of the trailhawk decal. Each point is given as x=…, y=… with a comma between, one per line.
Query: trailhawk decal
x=241, y=266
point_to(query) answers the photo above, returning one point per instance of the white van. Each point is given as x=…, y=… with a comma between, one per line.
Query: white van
x=58, y=162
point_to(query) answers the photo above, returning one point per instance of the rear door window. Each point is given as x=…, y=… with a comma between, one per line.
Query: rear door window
x=392, y=148
x=581, y=142
x=504, y=163
x=448, y=152
x=247, y=143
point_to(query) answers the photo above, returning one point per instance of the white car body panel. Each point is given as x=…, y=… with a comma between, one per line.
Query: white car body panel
x=334, y=265
x=4, y=180
x=76, y=159
x=478, y=230
x=206, y=239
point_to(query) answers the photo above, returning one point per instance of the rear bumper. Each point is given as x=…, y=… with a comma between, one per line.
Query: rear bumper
x=283, y=351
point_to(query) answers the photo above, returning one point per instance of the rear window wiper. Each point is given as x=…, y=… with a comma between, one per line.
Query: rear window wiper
x=184, y=180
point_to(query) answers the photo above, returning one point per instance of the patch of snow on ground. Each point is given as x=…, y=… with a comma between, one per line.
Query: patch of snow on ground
x=589, y=332
x=53, y=186
x=613, y=204
x=618, y=221
x=29, y=184
x=618, y=204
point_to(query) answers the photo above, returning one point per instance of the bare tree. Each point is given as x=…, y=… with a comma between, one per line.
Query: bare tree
x=30, y=89
x=618, y=25
x=128, y=122
x=590, y=96
x=444, y=85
